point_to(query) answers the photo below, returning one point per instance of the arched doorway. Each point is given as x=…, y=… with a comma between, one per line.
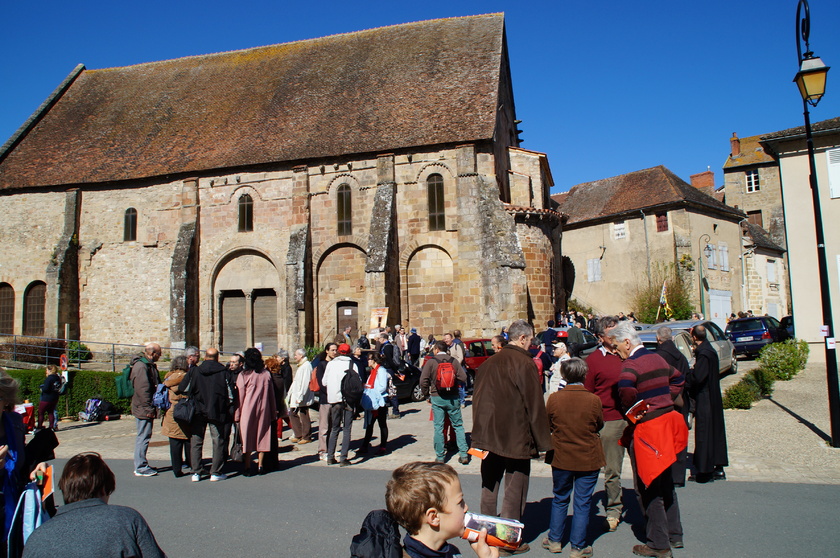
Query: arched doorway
x=34, y=307
x=246, y=288
x=429, y=286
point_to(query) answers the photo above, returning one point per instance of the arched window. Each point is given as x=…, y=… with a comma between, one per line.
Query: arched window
x=130, y=225
x=246, y=213
x=34, y=302
x=345, y=213
x=7, y=309
x=437, y=216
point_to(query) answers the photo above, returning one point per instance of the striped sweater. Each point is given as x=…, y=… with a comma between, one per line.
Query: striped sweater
x=646, y=375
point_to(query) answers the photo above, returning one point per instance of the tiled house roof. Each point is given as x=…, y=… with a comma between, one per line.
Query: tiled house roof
x=760, y=238
x=651, y=188
x=829, y=125
x=752, y=153
x=426, y=83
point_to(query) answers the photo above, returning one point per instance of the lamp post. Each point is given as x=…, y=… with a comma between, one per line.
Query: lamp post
x=811, y=82
x=704, y=250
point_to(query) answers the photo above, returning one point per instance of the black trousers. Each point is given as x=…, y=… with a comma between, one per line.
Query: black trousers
x=660, y=506
x=179, y=453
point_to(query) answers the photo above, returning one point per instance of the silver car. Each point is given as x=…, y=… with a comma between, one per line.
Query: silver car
x=721, y=344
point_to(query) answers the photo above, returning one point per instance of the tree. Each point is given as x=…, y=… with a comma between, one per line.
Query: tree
x=677, y=292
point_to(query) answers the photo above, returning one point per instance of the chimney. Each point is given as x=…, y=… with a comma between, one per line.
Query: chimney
x=704, y=181
x=736, y=145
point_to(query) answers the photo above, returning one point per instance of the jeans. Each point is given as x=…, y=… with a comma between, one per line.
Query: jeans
x=462, y=394
x=614, y=456
x=217, y=435
x=441, y=408
x=141, y=443
x=584, y=485
x=342, y=421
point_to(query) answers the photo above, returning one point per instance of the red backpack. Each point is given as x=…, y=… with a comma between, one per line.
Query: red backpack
x=445, y=378
x=540, y=366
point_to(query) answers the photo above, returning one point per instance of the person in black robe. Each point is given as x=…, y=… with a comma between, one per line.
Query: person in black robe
x=710, y=455
x=672, y=355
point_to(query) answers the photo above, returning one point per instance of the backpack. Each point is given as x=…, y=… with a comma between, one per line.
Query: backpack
x=352, y=388
x=445, y=377
x=124, y=386
x=314, y=386
x=62, y=390
x=539, y=363
x=161, y=397
x=378, y=538
x=91, y=412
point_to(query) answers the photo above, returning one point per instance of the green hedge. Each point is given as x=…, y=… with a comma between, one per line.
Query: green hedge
x=784, y=360
x=741, y=395
x=84, y=385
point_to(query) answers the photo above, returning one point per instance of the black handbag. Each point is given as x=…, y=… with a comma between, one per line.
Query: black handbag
x=184, y=410
x=236, y=451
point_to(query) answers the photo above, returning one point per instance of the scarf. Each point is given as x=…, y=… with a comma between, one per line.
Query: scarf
x=371, y=381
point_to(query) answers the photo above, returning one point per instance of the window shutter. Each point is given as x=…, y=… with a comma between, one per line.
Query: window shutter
x=723, y=257
x=834, y=172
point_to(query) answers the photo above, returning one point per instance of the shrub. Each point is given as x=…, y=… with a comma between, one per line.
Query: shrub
x=762, y=380
x=740, y=396
x=84, y=385
x=37, y=350
x=645, y=300
x=784, y=360
x=573, y=304
x=312, y=352
x=78, y=352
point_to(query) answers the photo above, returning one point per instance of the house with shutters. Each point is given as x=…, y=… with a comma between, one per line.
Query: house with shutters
x=277, y=194
x=620, y=229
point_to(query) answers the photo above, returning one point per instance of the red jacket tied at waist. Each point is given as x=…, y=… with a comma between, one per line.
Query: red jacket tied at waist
x=656, y=443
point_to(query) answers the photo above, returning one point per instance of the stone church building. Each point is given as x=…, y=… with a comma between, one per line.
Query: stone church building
x=275, y=194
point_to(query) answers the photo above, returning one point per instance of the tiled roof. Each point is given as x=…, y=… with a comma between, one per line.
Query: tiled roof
x=829, y=125
x=760, y=237
x=425, y=83
x=752, y=153
x=640, y=190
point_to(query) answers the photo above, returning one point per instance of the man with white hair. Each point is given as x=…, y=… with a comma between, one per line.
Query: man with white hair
x=300, y=398
x=647, y=387
x=145, y=378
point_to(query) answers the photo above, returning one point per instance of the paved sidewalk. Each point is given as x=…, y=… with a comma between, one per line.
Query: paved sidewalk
x=778, y=440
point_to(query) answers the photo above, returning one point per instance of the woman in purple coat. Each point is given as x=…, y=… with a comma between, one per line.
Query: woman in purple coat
x=256, y=412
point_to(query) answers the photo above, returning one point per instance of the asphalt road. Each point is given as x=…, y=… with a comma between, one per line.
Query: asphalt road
x=314, y=510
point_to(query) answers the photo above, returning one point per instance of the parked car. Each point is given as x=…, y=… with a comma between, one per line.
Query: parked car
x=409, y=386
x=787, y=323
x=681, y=339
x=588, y=338
x=728, y=364
x=749, y=335
x=476, y=351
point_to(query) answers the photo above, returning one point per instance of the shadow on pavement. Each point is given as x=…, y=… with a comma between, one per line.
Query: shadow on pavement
x=811, y=426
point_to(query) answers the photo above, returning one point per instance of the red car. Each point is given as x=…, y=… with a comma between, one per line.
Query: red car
x=476, y=351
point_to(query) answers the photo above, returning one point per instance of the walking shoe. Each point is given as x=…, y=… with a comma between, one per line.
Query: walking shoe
x=219, y=477
x=719, y=475
x=145, y=472
x=523, y=548
x=294, y=440
x=344, y=463
x=331, y=461
x=612, y=523
x=645, y=550
x=677, y=544
x=196, y=477
x=555, y=547
x=304, y=441
x=322, y=456
x=382, y=451
x=464, y=460
x=395, y=416
x=439, y=459
x=584, y=552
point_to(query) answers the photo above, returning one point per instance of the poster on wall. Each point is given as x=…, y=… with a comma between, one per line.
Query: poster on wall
x=378, y=317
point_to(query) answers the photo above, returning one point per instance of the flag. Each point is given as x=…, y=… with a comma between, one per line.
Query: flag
x=663, y=301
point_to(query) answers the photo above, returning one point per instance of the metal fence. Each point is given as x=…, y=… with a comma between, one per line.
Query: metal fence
x=91, y=355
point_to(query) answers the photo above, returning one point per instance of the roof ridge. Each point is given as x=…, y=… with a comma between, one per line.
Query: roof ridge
x=299, y=41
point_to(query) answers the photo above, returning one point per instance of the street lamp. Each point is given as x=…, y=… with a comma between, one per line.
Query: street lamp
x=811, y=82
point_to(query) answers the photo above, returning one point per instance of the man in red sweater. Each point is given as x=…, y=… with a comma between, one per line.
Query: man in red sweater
x=602, y=380
x=656, y=438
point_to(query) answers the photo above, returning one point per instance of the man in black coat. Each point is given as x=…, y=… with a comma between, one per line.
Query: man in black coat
x=672, y=355
x=710, y=455
x=208, y=385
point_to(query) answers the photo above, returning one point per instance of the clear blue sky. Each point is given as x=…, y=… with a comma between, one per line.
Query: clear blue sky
x=603, y=87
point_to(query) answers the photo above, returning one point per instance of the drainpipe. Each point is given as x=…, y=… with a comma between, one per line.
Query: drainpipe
x=647, y=245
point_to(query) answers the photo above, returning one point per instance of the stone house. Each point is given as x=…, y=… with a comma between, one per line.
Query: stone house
x=765, y=283
x=621, y=229
x=276, y=194
x=788, y=148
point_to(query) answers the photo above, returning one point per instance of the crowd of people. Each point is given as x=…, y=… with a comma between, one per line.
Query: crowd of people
x=535, y=397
